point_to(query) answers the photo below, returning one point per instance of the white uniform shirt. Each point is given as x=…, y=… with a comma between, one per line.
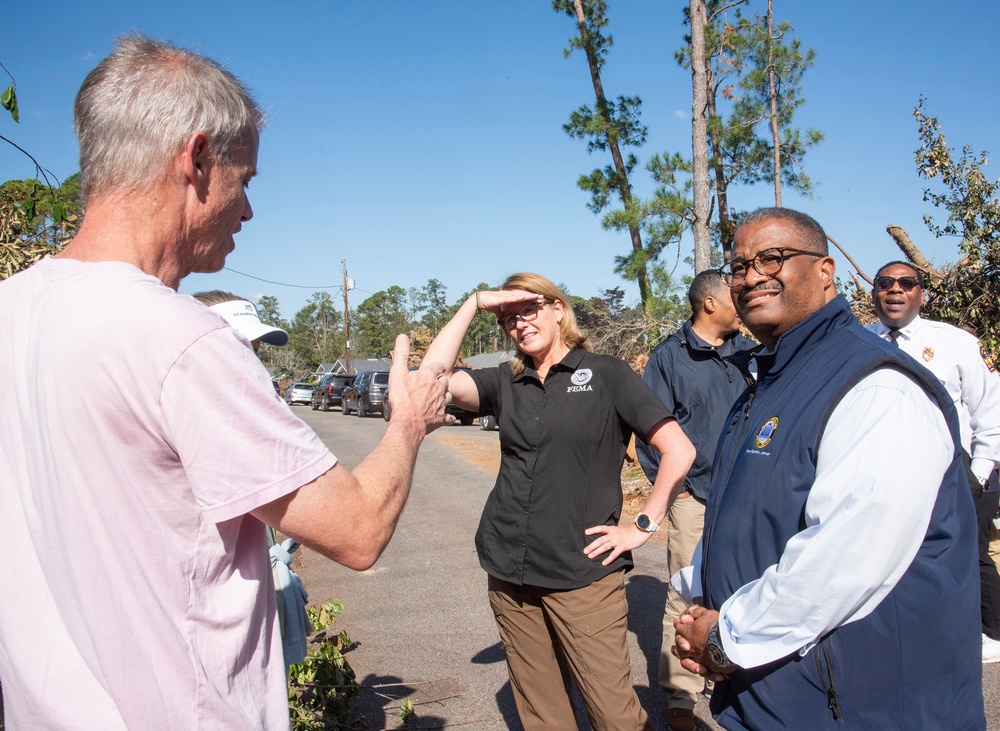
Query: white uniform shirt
x=885, y=433
x=953, y=355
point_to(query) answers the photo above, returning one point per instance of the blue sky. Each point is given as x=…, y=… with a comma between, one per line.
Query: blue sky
x=423, y=139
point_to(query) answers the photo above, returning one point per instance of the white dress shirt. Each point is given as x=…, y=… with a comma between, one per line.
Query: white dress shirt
x=879, y=466
x=953, y=355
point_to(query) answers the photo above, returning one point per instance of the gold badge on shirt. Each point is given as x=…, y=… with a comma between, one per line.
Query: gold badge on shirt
x=928, y=354
x=987, y=359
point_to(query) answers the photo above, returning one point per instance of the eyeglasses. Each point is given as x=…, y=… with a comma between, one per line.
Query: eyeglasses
x=528, y=313
x=766, y=262
x=905, y=283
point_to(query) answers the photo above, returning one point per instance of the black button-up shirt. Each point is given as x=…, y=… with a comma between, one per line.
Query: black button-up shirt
x=562, y=444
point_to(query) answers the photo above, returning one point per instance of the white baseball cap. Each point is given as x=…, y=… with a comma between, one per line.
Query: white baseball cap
x=242, y=315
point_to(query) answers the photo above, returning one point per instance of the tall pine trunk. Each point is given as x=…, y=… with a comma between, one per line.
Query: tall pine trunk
x=773, y=90
x=727, y=228
x=624, y=188
x=699, y=138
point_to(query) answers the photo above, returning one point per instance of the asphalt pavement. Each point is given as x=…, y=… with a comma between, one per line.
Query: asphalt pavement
x=420, y=619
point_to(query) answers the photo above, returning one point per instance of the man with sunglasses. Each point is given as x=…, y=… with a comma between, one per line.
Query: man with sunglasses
x=954, y=356
x=838, y=586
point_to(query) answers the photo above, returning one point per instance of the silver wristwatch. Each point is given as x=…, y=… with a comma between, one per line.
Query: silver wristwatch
x=644, y=523
x=717, y=653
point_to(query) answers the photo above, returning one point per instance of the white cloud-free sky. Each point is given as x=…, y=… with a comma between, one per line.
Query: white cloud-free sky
x=423, y=139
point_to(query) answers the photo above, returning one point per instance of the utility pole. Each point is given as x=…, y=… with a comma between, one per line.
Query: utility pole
x=347, y=318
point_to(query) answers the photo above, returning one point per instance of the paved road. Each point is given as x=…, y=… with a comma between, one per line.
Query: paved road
x=420, y=617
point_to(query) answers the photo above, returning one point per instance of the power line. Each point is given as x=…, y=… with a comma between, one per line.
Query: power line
x=299, y=286
x=282, y=284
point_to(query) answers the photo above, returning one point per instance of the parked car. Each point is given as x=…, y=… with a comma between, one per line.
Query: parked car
x=463, y=417
x=488, y=422
x=367, y=394
x=329, y=391
x=299, y=393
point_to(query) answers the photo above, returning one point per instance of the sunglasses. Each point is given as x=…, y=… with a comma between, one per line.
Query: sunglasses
x=905, y=283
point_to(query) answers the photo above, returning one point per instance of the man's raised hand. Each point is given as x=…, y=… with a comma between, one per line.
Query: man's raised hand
x=419, y=395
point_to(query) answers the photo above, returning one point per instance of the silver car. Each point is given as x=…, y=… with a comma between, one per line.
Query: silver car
x=299, y=393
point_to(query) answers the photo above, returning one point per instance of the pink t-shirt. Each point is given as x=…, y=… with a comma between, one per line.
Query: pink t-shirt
x=137, y=431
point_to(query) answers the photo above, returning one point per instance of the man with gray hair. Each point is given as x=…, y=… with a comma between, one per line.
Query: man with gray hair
x=137, y=481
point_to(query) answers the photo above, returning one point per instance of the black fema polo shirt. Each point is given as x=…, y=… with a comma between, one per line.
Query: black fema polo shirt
x=562, y=444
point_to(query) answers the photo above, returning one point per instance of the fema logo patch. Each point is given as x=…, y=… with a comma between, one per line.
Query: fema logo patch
x=766, y=433
x=582, y=376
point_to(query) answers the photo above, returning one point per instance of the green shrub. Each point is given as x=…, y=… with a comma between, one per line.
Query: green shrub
x=321, y=686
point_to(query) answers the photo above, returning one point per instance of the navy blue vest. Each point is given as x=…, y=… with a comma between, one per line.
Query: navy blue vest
x=914, y=662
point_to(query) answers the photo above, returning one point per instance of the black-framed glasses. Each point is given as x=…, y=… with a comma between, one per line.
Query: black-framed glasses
x=528, y=313
x=905, y=283
x=767, y=262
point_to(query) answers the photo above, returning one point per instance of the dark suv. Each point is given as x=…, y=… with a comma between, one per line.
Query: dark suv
x=463, y=417
x=329, y=391
x=367, y=394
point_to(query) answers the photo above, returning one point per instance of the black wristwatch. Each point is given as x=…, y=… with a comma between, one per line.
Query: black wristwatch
x=717, y=653
x=644, y=523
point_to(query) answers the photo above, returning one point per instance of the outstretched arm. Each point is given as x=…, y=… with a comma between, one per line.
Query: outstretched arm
x=349, y=516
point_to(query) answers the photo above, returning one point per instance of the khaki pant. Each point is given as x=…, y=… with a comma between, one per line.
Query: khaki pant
x=685, y=523
x=551, y=637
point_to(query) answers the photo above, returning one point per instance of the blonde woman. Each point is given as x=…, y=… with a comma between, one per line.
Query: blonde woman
x=549, y=537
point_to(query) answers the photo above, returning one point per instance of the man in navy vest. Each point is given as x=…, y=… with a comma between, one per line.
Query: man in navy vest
x=838, y=568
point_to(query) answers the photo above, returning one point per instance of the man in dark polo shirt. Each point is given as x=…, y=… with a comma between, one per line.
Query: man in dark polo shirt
x=691, y=373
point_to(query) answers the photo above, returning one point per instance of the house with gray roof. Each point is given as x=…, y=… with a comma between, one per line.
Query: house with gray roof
x=489, y=360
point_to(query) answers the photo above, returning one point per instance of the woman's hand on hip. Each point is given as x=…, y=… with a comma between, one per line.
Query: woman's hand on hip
x=614, y=538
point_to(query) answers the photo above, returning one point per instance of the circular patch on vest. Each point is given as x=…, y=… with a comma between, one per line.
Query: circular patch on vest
x=582, y=376
x=766, y=433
